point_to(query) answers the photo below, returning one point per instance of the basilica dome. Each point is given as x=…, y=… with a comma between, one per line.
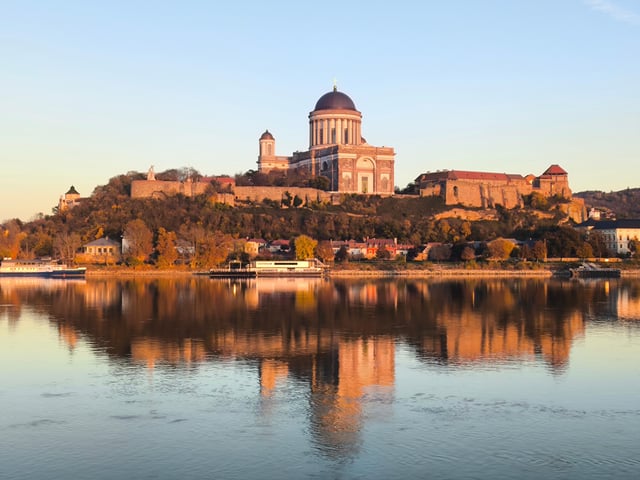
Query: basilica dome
x=335, y=100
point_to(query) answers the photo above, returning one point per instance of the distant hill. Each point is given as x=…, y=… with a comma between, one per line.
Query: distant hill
x=623, y=204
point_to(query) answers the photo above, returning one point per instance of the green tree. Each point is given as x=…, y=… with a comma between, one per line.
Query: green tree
x=305, y=247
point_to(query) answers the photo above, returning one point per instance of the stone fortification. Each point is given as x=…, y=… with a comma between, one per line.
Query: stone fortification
x=278, y=194
x=486, y=190
x=161, y=189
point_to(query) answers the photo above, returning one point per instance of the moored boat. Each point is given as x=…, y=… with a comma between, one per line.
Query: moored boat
x=271, y=268
x=591, y=270
x=41, y=267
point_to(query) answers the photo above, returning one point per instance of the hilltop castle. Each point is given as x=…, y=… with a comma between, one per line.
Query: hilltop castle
x=336, y=151
x=486, y=190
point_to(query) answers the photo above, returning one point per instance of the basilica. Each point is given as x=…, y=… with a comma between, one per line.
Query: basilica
x=336, y=151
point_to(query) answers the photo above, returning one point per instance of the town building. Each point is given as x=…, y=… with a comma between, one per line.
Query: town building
x=617, y=234
x=336, y=150
x=101, y=251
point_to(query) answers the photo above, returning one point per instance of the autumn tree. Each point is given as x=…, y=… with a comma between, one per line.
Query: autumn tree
x=539, y=251
x=11, y=235
x=65, y=245
x=499, y=249
x=584, y=251
x=342, y=255
x=440, y=253
x=214, y=250
x=166, y=248
x=468, y=254
x=324, y=251
x=305, y=247
x=139, y=242
x=382, y=253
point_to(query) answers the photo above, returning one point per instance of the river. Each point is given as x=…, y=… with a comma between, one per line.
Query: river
x=310, y=378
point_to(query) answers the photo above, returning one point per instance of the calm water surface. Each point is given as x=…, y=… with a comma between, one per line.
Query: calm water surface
x=198, y=378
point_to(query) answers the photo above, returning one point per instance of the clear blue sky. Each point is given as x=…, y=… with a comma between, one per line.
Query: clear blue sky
x=91, y=90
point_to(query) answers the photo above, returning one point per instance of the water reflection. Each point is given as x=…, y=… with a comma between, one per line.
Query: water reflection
x=336, y=339
x=453, y=322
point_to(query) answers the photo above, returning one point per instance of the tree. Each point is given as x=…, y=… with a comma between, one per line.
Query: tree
x=500, y=249
x=539, y=251
x=11, y=236
x=139, y=241
x=468, y=254
x=66, y=245
x=382, y=253
x=342, y=255
x=214, y=250
x=305, y=247
x=584, y=251
x=440, y=253
x=324, y=251
x=166, y=248
x=598, y=244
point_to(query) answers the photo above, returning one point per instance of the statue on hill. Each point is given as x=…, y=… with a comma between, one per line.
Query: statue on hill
x=151, y=175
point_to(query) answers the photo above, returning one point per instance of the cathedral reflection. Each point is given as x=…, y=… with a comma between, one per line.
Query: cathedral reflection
x=337, y=338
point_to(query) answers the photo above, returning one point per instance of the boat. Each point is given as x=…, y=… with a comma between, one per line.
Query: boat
x=591, y=270
x=40, y=267
x=270, y=268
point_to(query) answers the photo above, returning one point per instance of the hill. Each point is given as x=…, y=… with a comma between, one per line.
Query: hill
x=622, y=204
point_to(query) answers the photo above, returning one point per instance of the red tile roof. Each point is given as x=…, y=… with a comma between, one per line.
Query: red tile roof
x=555, y=170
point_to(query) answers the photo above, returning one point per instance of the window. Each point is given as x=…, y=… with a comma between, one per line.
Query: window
x=333, y=135
x=365, y=184
x=346, y=135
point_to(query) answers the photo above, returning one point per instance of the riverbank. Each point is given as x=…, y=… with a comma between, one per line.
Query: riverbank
x=361, y=271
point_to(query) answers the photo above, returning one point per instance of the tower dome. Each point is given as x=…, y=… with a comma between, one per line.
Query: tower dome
x=335, y=100
x=266, y=135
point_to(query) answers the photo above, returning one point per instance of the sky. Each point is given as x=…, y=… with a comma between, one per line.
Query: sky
x=93, y=90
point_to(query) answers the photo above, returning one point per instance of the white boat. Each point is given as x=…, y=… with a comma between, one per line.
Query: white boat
x=271, y=268
x=41, y=267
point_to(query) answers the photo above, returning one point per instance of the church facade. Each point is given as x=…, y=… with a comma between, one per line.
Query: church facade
x=336, y=151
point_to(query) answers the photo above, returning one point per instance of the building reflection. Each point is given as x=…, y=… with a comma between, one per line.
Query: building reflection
x=338, y=338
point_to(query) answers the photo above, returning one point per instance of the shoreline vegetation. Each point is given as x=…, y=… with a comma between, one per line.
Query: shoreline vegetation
x=367, y=270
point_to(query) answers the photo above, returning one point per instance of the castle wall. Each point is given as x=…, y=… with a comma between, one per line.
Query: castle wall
x=258, y=194
x=159, y=188
x=480, y=193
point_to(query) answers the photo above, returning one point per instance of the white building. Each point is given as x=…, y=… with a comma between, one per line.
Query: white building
x=616, y=233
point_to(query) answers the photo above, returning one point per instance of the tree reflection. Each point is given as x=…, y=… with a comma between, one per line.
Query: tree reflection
x=338, y=338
